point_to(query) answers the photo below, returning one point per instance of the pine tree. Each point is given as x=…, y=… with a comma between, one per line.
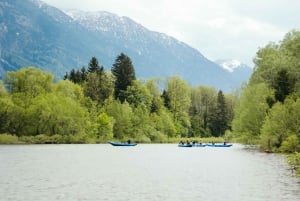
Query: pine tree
x=166, y=99
x=219, y=122
x=124, y=73
x=84, y=73
x=283, y=85
x=94, y=66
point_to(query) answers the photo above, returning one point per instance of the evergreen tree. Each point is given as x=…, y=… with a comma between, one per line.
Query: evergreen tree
x=84, y=73
x=66, y=76
x=72, y=76
x=166, y=99
x=124, y=73
x=283, y=85
x=94, y=66
x=219, y=122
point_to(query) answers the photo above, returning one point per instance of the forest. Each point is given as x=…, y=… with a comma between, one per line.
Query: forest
x=93, y=105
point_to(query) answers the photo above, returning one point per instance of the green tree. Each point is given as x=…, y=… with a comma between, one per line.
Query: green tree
x=203, y=101
x=122, y=115
x=138, y=95
x=30, y=81
x=3, y=91
x=283, y=85
x=267, y=62
x=6, y=109
x=251, y=112
x=94, y=66
x=166, y=99
x=180, y=100
x=141, y=124
x=104, y=127
x=282, y=122
x=124, y=73
x=157, y=104
x=220, y=120
x=69, y=89
x=57, y=114
x=98, y=86
x=164, y=123
x=277, y=60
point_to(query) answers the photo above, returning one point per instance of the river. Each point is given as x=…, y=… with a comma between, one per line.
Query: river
x=147, y=172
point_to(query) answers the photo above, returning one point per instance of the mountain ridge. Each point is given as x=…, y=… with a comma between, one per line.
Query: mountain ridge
x=35, y=33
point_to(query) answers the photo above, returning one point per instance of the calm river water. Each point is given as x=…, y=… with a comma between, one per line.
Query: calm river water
x=162, y=172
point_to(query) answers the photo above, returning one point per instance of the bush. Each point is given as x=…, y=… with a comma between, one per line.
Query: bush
x=8, y=139
x=78, y=139
x=41, y=139
x=291, y=144
x=143, y=139
x=27, y=139
x=294, y=161
x=160, y=138
x=56, y=139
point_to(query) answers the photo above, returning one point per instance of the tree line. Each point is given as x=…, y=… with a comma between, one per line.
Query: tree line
x=95, y=105
x=268, y=111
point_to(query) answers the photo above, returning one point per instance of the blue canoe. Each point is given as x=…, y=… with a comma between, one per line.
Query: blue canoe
x=185, y=145
x=219, y=145
x=199, y=145
x=122, y=144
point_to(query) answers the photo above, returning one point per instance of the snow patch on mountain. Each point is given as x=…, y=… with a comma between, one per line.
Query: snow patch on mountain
x=103, y=21
x=123, y=28
x=231, y=64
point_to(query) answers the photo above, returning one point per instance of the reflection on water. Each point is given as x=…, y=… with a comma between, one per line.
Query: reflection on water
x=145, y=172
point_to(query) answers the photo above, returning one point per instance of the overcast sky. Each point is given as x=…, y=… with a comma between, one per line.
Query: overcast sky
x=219, y=29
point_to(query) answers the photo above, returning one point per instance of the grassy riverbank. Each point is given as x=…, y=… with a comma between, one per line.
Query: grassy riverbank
x=70, y=139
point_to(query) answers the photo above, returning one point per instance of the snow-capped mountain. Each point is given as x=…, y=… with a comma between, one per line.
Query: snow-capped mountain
x=232, y=64
x=120, y=27
x=34, y=33
x=103, y=21
x=159, y=54
x=240, y=71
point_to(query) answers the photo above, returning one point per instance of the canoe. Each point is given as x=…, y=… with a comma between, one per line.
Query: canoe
x=219, y=145
x=185, y=145
x=122, y=144
x=199, y=145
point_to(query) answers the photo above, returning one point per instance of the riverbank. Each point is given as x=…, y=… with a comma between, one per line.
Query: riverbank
x=75, y=139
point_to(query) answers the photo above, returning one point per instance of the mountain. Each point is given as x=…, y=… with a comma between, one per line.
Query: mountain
x=34, y=33
x=240, y=71
x=232, y=65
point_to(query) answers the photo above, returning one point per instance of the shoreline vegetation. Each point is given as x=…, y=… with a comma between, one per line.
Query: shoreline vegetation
x=8, y=139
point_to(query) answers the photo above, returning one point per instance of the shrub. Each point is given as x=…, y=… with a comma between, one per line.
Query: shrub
x=8, y=139
x=291, y=144
x=294, y=161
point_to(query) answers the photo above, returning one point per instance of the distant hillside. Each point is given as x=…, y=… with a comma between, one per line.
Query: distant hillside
x=34, y=33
